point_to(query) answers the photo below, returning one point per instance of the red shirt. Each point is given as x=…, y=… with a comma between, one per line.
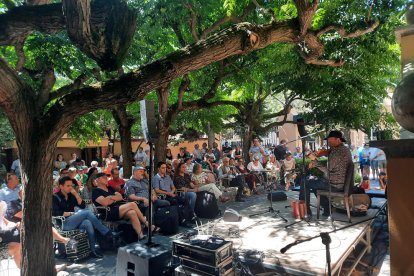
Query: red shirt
x=114, y=183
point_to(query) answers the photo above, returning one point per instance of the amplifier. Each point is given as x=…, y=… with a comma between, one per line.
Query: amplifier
x=203, y=249
x=225, y=268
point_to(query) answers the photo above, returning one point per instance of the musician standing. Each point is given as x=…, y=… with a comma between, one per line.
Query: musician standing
x=339, y=158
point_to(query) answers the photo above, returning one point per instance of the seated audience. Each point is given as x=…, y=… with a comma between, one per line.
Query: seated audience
x=202, y=181
x=116, y=182
x=188, y=163
x=95, y=164
x=105, y=196
x=64, y=203
x=182, y=182
x=229, y=176
x=365, y=184
x=59, y=163
x=136, y=189
x=164, y=185
x=249, y=178
x=11, y=194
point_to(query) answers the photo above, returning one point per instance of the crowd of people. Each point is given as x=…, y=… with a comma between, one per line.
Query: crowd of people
x=83, y=193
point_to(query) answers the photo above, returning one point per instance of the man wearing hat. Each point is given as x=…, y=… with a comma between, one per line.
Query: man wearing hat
x=339, y=158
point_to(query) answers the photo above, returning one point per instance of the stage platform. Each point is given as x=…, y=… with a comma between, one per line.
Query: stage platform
x=267, y=234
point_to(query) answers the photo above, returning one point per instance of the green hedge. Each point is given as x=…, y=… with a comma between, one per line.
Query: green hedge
x=313, y=171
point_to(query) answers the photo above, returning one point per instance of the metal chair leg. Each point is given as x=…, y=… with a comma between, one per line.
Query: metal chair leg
x=318, y=203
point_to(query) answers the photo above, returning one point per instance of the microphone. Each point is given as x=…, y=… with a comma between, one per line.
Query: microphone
x=287, y=247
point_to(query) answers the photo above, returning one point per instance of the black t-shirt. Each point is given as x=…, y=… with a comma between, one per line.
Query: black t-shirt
x=280, y=152
x=97, y=192
x=182, y=181
x=60, y=204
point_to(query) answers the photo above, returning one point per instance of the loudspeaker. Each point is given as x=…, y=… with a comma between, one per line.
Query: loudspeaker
x=300, y=125
x=148, y=123
x=232, y=215
x=277, y=196
x=139, y=260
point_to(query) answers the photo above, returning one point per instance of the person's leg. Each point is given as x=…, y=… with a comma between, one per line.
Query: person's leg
x=132, y=216
x=14, y=251
x=134, y=207
x=95, y=222
x=211, y=188
x=90, y=231
x=191, y=198
x=59, y=237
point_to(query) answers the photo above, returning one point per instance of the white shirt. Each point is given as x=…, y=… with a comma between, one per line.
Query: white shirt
x=252, y=167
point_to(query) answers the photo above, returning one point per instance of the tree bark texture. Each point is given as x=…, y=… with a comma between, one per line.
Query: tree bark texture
x=211, y=136
x=247, y=142
x=163, y=125
x=102, y=29
x=125, y=122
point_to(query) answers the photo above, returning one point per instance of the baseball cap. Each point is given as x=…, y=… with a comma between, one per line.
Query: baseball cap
x=100, y=175
x=336, y=134
x=139, y=168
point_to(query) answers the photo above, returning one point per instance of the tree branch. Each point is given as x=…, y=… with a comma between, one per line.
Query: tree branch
x=268, y=11
x=21, y=58
x=48, y=81
x=17, y=23
x=344, y=34
x=67, y=89
x=193, y=22
x=306, y=11
x=185, y=83
x=176, y=28
x=234, y=19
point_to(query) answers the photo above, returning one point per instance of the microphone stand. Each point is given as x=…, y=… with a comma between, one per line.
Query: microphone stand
x=149, y=242
x=303, y=180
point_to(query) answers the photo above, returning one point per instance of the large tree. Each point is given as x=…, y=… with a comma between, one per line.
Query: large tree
x=102, y=32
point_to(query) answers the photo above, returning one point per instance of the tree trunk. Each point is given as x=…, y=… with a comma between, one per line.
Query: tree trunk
x=161, y=144
x=36, y=155
x=211, y=136
x=125, y=122
x=247, y=141
x=163, y=125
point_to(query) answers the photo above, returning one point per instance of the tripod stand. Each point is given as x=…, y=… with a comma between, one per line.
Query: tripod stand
x=270, y=209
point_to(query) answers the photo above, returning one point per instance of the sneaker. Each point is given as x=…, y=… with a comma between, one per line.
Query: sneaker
x=96, y=255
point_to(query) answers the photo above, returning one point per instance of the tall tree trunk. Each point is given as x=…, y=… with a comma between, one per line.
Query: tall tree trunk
x=247, y=141
x=163, y=125
x=125, y=122
x=162, y=143
x=36, y=155
x=211, y=136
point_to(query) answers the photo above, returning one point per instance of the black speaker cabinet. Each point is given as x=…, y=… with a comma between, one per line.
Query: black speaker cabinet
x=148, y=122
x=139, y=260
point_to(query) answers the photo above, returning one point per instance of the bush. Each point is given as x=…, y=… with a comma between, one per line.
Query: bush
x=3, y=173
x=358, y=178
x=313, y=171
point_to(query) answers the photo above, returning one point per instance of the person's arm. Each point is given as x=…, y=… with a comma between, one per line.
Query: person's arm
x=78, y=198
x=105, y=201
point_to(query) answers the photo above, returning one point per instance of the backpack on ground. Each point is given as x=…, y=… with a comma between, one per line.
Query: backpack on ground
x=185, y=213
x=167, y=219
x=206, y=205
x=358, y=204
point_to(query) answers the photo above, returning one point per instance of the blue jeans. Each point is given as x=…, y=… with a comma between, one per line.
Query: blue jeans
x=87, y=221
x=191, y=197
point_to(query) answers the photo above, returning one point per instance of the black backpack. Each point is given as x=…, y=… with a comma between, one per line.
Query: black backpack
x=206, y=205
x=166, y=218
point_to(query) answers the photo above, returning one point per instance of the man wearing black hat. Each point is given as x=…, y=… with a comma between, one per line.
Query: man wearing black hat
x=334, y=175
